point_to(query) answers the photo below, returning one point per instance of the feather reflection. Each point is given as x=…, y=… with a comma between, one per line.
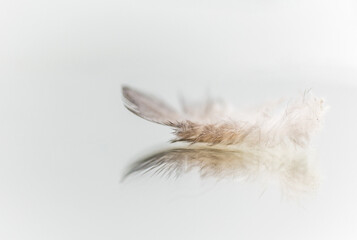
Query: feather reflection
x=292, y=167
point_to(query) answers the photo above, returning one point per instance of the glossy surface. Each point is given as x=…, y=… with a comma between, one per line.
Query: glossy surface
x=66, y=139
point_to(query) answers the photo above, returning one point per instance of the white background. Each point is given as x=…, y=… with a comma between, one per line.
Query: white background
x=66, y=139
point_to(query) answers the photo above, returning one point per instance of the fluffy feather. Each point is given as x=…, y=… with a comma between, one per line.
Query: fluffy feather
x=224, y=142
x=215, y=125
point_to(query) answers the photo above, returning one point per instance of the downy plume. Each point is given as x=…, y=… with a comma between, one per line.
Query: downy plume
x=223, y=142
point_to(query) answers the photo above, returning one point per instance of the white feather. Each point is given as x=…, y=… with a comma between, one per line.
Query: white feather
x=226, y=142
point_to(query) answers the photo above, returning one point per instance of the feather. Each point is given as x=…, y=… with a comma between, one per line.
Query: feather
x=223, y=142
x=216, y=125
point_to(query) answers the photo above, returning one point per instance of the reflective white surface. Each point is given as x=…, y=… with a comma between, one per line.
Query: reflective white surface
x=66, y=139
